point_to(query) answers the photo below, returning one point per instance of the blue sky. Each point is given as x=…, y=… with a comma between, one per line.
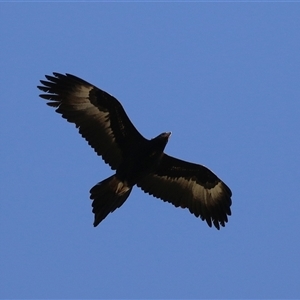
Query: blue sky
x=224, y=78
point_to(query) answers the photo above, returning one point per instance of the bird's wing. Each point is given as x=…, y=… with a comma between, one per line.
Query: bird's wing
x=100, y=117
x=191, y=186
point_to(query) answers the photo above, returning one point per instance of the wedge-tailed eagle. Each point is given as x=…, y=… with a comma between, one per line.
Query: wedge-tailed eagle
x=102, y=121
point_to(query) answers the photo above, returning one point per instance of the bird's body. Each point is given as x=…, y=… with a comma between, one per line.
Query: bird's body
x=143, y=158
x=102, y=121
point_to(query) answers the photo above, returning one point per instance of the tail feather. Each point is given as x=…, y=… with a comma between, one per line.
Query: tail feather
x=107, y=196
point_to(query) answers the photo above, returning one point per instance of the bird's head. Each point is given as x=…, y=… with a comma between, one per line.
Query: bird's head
x=161, y=140
x=165, y=135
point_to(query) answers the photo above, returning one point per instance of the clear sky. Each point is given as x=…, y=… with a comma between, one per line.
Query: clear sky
x=224, y=78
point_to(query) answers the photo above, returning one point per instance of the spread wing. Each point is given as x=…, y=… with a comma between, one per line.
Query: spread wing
x=191, y=186
x=100, y=117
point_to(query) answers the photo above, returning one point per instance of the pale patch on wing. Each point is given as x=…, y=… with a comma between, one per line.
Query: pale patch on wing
x=75, y=103
x=187, y=193
x=83, y=91
x=93, y=123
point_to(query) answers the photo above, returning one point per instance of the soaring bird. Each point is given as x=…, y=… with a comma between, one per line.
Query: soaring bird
x=103, y=122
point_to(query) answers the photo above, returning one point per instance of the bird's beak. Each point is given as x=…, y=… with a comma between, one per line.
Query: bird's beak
x=168, y=134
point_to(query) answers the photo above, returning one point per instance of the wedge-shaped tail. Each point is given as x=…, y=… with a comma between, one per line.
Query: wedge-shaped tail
x=107, y=196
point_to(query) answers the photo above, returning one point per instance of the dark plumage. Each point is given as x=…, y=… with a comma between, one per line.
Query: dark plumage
x=102, y=121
